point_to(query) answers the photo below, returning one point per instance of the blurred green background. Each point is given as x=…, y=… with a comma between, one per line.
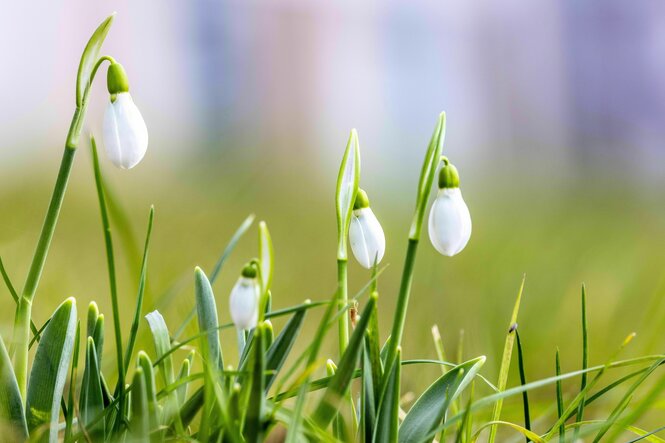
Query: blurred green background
x=556, y=130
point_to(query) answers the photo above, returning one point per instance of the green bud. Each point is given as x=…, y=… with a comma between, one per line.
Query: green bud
x=448, y=175
x=116, y=80
x=249, y=271
x=362, y=201
x=331, y=368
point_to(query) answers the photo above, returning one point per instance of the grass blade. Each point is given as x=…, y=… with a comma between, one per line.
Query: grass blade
x=525, y=394
x=585, y=361
x=141, y=292
x=279, y=350
x=559, y=399
x=14, y=294
x=110, y=262
x=49, y=371
x=505, y=362
x=139, y=424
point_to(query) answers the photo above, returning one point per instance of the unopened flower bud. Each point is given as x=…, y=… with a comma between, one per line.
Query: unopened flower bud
x=124, y=131
x=244, y=300
x=366, y=236
x=449, y=218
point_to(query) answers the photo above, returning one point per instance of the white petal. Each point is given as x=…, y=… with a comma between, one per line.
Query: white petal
x=124, y=132
x=368, y=241
x=244, y=303
x=449, y=222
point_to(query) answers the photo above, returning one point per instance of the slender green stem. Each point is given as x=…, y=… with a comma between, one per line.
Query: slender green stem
x=110, y=261
x=402, y=301
x=24, y=308
x=342, y=301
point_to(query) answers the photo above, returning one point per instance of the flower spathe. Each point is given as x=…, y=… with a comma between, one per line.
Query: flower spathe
x=449, y=219
x=244, y=301
x=125, y=133
x=366, y=236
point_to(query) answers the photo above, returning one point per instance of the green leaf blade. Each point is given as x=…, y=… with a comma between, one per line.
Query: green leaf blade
x=430, y=409
x=49, y=370
x=11, y=405
x=206, y=309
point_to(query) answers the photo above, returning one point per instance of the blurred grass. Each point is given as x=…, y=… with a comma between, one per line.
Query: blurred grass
x=560, y=233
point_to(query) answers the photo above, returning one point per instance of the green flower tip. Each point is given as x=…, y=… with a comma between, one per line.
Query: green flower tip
x=448, y=175
x=93, y=310
x=331, y=367
x=249, y=271
x=116, y=80
x=362, y=201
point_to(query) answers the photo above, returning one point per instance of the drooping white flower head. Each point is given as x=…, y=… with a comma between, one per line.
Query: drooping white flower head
x=125, y=134
x=366, y=236
x=244, y=300
x=449, y=219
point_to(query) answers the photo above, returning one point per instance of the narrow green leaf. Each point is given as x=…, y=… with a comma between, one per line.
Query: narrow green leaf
x=207, y=315
x=387, y=419
x=98, y=337
x=528, y=434
x=525, y=395
x=185, y=369
x=255, y=408
x=505, y=361
x=11, y=405
x=266, y=257
x=368, y=401
x=279, y=350
x=585, y=361
x=49, y=371
x=89, y=60
x=339, y=384
x=430, y=409
x=141, y=292
x=427, y=174
x=139, y=424
x=14, y=294
x=559, y=398
x=237, y=235
x=347, y=187
x=91, y=402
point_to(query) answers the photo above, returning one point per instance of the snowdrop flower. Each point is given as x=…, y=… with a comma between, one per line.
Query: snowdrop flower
x=449, y=218
x=244, y=299
x=124, y=131
x=368, y=242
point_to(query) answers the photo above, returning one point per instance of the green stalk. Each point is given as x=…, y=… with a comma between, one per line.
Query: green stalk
x=22, y=320
x=402, y=301
x=342, y=301
x=427, y=174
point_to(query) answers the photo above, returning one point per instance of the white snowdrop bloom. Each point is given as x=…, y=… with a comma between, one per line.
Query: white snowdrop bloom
x=244, y=300
x=449, y=219
x=366, y=236
x=125, y=134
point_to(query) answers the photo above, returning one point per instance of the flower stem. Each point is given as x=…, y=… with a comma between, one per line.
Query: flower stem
x=402, y=301
x=21, y=337
x=342, y=300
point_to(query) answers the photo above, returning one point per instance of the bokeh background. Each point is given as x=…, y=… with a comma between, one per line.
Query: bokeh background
x=556, y=121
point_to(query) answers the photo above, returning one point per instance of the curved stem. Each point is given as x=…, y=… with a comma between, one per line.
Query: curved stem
x=402, y=301
x=21, y=335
